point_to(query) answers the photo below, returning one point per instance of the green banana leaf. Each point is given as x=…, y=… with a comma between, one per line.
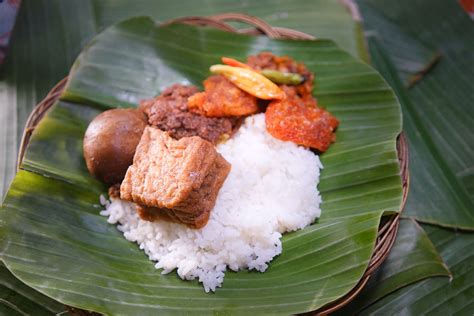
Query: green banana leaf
x=433, y=296
x=54, y=240
x=412, y=57
x=438, y=112
x=320, y=18
x=47, y=37
x=18, y=299
x=438, y=296
x=412, y=258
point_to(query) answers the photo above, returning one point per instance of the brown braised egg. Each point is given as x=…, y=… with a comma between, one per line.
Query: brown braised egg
x=110, y=143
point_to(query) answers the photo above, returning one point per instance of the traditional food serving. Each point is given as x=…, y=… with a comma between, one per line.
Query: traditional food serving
x=203, y=193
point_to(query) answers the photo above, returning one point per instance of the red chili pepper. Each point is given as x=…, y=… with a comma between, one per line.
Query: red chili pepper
x=234, y=63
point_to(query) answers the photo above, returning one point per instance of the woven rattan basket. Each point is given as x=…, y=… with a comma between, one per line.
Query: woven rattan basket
x=387, y=230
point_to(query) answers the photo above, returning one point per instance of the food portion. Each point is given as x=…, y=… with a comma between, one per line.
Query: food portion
x=293, y=120
x=297, y=117
x=183, y=175
x=222, y=98
x=293, y=113
x=271, y=189
x=165, y=171
x=169, y=112
x=195, y=211
x=110, y=142
x=202, y=193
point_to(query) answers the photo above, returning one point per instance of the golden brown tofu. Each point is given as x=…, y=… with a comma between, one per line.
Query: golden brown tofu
x=195, y=211
x=178, y=176
x=165, y=171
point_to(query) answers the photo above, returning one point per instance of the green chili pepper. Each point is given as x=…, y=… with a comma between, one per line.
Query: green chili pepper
x=279, y=77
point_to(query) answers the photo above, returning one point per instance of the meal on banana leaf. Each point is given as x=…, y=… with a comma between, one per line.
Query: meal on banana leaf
x=206, y=181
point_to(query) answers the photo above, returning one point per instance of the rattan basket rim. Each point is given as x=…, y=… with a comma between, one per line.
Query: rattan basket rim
x=387, y=232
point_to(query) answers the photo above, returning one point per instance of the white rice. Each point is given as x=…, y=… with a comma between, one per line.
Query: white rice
x=271, y=189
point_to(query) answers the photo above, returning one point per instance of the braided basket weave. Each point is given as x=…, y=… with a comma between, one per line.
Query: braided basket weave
x=387, y=231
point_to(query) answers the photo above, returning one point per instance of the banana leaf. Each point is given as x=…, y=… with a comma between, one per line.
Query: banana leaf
x=412, y=57
x=438, y=113
x=412, y=258
x=437, y=296
x=316, y=17
x=433, y=296
x=18, y=299
x=46, y=39
x=54, y=240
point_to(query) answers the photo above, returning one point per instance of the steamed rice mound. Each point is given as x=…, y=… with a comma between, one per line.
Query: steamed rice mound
x=271, y=189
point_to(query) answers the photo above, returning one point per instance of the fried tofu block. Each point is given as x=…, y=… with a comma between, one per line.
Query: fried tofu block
x=222, y=98
x=205, y=197
x=165, y=171
x=174, y=180
x=199, y=204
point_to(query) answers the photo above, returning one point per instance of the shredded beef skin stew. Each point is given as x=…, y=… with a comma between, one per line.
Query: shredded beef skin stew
x=169, y=112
